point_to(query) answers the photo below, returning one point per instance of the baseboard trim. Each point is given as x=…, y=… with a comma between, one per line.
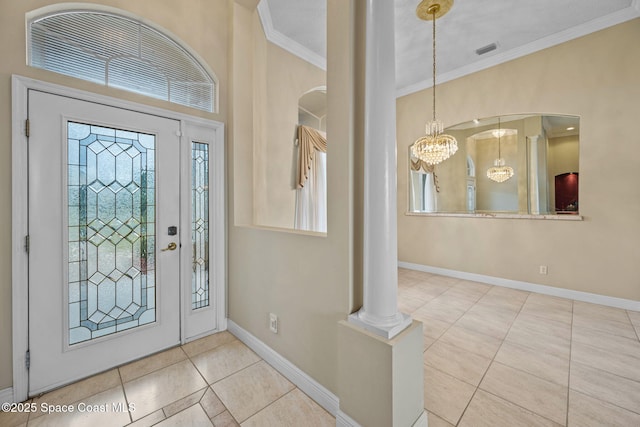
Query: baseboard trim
x=344, y=420
x=625, y=304
x=6, y=395
x=304, y=382
x=422, y=421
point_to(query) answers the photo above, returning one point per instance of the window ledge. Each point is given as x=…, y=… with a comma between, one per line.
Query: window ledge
x=562, y=217
x=283, y=230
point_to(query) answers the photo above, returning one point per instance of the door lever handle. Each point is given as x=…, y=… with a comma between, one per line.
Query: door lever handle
x=171, y=247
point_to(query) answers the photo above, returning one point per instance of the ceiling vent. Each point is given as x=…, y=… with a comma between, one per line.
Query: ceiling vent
x=486, y=49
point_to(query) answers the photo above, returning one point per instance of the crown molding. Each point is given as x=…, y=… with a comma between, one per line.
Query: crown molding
x=286, y=43
x=295, y=48
x=623, y=15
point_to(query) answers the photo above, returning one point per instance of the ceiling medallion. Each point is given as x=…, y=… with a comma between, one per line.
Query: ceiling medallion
x=426, y=9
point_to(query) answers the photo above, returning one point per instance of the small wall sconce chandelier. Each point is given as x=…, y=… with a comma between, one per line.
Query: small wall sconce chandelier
x=499, y=172
x=435, y=146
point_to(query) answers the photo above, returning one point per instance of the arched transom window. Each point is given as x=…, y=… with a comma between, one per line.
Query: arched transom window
x=122, y=52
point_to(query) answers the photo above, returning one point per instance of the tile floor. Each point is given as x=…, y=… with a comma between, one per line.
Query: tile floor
x=492, y=357
x=501, y=357
x=215, y=381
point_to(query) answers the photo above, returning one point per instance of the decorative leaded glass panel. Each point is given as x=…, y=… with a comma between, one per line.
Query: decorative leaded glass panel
x=111, y=189
x=200, y=224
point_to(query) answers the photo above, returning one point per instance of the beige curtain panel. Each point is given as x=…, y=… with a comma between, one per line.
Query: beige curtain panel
x=309, y=140
x=421, y=165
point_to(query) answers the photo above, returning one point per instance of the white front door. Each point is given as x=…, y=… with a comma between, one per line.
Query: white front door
x=104, y=230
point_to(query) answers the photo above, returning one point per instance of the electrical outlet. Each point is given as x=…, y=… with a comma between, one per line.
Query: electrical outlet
x=543, y=269
x=273, y=323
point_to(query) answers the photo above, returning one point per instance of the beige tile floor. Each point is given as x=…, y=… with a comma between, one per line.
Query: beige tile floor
x=215, y=381
x=492, y=357
x=501, y=357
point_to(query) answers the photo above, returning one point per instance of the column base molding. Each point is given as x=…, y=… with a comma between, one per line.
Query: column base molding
x=387, y=330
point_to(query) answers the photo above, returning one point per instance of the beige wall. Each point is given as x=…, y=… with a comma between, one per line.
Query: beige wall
x=280, y=80
x=493, y=196
x=202, y=25
x=563, y=155
x=306, y=280
x=595, y=77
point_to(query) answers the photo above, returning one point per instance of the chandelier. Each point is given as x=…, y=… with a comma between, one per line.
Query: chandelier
x=499, y=172
x=435, y=146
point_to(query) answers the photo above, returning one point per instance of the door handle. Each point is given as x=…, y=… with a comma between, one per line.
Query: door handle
x=171, y=247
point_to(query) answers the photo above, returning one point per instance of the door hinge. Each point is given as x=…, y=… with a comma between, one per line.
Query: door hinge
x=26, y=128
x=26, y=243
x=27, y=359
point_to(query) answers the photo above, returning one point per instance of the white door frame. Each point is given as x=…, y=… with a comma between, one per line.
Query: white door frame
x=20, y=211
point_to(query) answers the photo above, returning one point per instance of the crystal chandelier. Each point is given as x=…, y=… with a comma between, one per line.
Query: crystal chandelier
x=499, y=172
x=435, y=146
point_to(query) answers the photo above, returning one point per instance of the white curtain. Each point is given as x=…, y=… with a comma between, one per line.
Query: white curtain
x=423, y=192
x=430, y=193
x=311, y=193
x=417, y=191
x=424, y=187
x=311, y=200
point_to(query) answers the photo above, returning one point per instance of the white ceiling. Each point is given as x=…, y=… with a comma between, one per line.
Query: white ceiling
x=518, y=27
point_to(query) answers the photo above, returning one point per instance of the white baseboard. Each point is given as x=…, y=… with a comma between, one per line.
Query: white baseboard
x=6, y=395
x=625, y=304
x=344, y=420
x=422, y=421
x=304, y=382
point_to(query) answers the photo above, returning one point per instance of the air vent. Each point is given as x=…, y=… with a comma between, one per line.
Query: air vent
x=486, y=49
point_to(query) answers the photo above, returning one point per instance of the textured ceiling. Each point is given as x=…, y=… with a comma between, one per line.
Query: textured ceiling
x=518, y=27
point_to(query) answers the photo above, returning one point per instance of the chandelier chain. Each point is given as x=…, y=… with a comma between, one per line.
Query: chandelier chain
x=435, y=146
x=500, y=172
x=499, y=135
